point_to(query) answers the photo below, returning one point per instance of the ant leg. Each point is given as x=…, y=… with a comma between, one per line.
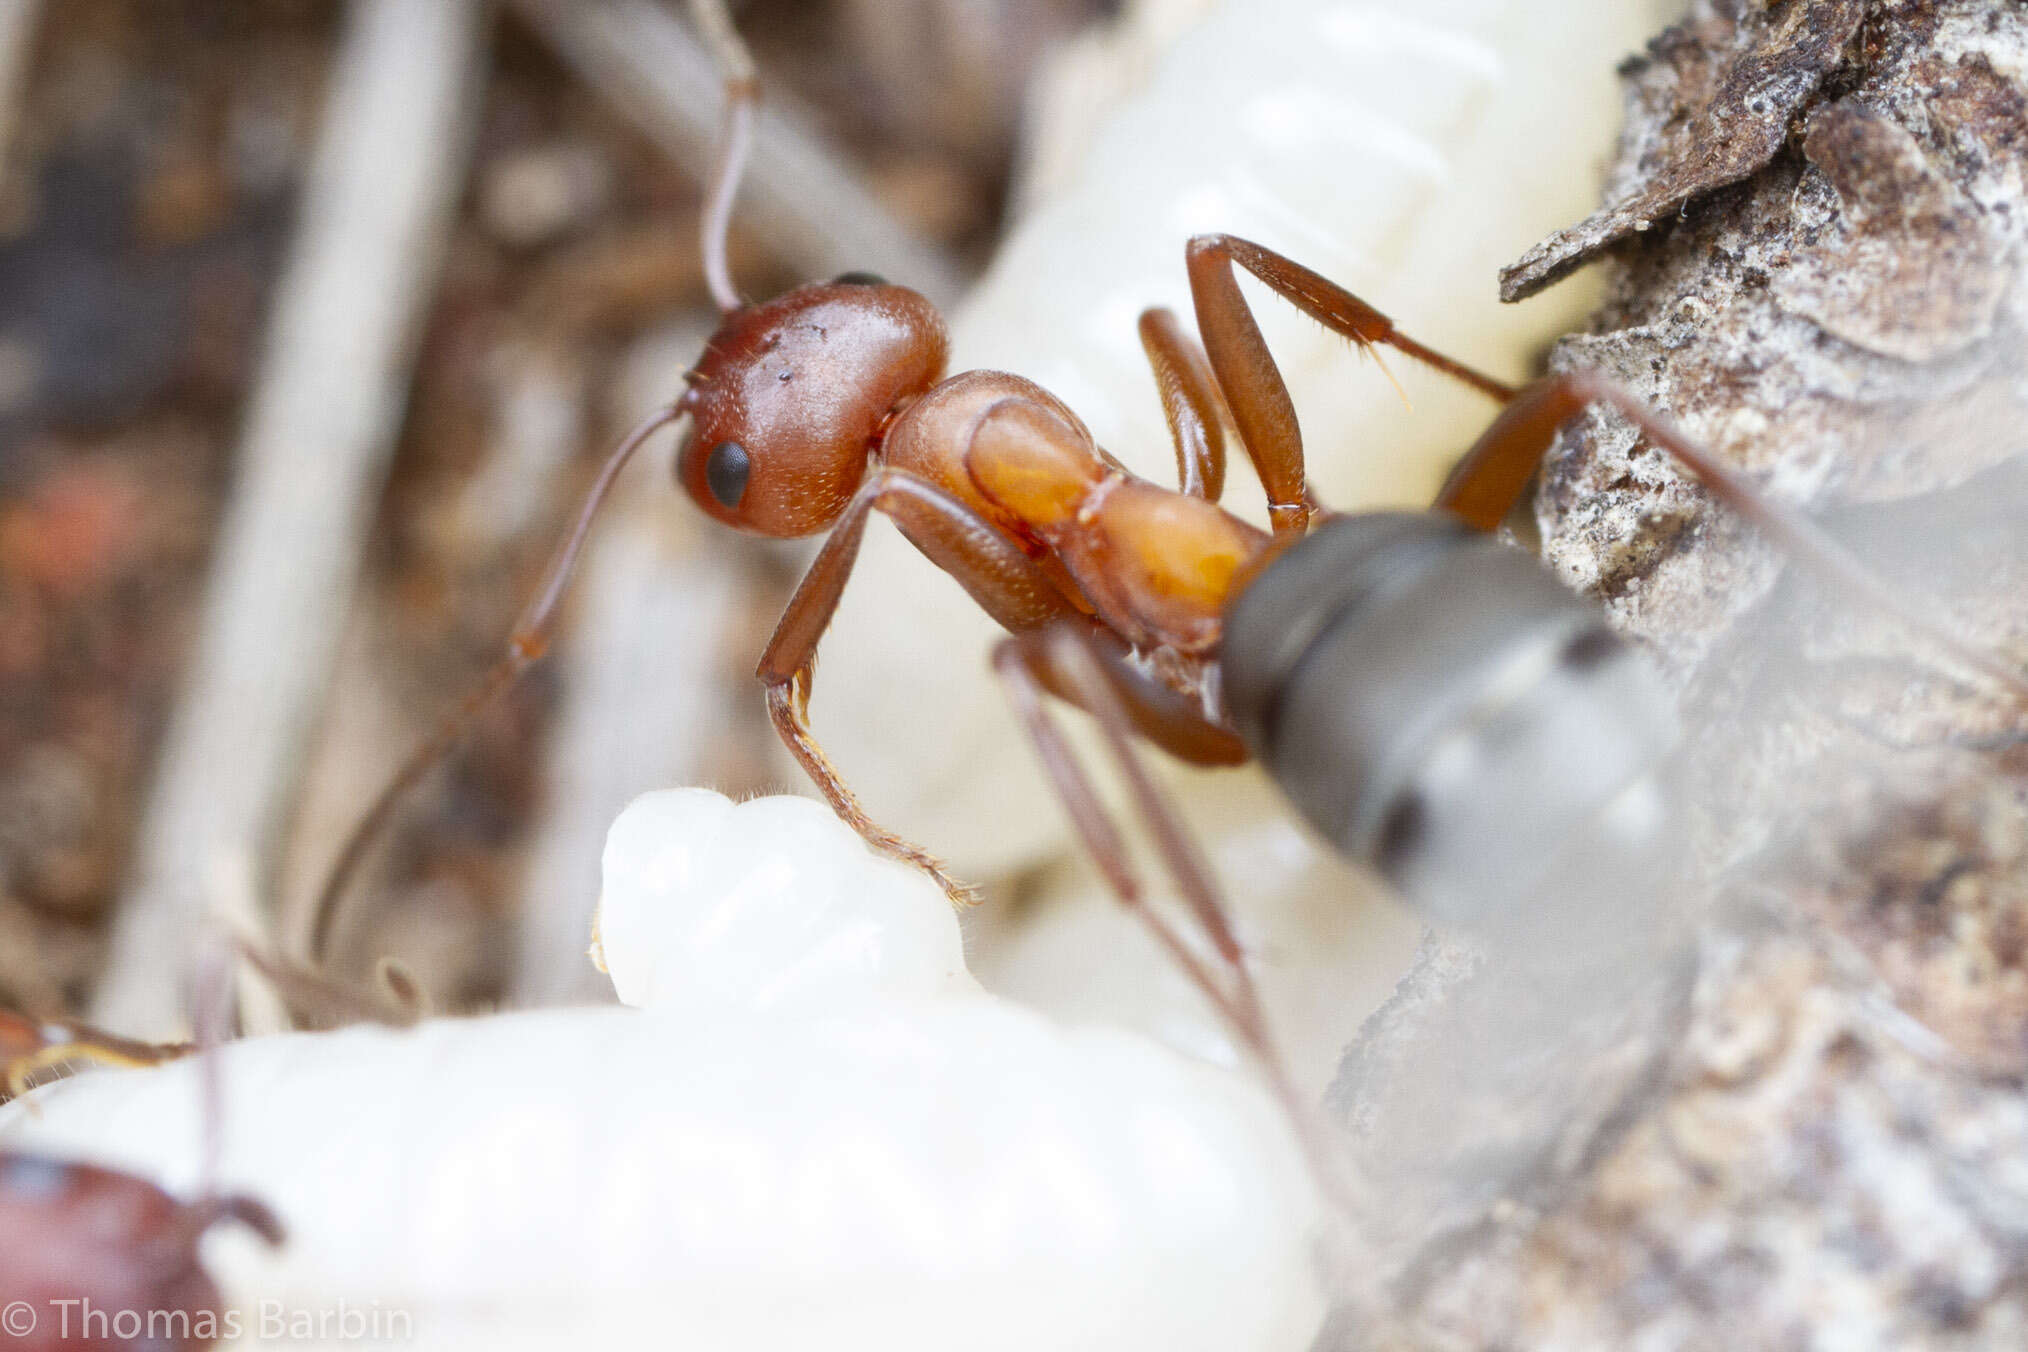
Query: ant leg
x=525, y=647
x=28, y=1047
x=1007, y=584
x=735, y=139
x=1487, y=482
x=1158, y=714
x=1484, y=486
x=1247, y=373
x=1228, y=984
x=1190, y=401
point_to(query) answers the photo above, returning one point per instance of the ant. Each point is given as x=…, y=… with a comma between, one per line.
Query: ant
x=812, y=411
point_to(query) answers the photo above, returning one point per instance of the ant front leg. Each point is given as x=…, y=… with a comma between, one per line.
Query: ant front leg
x=1489, y=480
x=1007, y=584
x=1246, y=371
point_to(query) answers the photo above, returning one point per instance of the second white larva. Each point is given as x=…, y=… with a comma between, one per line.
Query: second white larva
x=812, y=1129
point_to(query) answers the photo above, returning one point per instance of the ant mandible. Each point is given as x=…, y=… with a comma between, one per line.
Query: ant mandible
x=815, y=409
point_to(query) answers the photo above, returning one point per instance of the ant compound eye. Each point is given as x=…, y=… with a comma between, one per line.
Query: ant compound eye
x=725, y=472
x=859, y=279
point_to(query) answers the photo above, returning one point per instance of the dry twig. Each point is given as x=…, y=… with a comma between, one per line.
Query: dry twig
x=316, y=443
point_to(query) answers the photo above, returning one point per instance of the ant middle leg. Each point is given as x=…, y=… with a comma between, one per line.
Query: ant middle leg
x=1190, y=401
x=1006, y=583
x=1487, y=483
x=1156, y=713
x=1246, y=371
x=1075, y=662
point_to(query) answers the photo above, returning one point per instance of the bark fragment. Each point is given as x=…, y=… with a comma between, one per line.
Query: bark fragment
x=1721, y=92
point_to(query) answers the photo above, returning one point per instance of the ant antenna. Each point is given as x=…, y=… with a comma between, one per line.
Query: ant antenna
x=531, y=633
x=742, y=96
x=524, y=647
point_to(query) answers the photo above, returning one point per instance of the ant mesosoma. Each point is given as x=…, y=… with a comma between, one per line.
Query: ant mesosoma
x=1153, y=608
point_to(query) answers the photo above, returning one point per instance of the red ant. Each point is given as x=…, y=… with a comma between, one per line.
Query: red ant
x=815, y=409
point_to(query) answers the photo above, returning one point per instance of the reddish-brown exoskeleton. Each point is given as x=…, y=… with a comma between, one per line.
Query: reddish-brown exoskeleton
x=102, y=1259
x=815, y=409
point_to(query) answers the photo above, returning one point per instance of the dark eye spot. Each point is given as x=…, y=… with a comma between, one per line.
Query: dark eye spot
x=725, y=472
x=859, y=279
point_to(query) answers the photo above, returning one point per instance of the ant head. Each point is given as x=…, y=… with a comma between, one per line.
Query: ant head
x=791, y=397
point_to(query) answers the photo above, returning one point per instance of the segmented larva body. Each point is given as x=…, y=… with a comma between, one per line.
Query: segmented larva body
x=813, y=1131
x=1405, y=151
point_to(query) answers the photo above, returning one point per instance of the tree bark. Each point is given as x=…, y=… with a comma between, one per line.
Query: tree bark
x=1815, y=235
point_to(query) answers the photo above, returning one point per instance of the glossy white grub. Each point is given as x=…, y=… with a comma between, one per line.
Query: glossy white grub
x=812, y=1130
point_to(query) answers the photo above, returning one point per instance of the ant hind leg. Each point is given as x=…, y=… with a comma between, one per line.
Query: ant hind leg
x=1490, y=479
